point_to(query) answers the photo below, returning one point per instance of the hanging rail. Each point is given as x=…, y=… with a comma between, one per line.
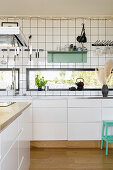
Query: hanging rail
x=40, y=50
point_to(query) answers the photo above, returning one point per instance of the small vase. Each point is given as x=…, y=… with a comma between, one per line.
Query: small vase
x=105, y=90
x=39, y=88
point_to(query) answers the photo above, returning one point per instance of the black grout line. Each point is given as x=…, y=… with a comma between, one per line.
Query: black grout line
x=105, y=38
x=60, y=38
x=44, y=44
x=69, y=27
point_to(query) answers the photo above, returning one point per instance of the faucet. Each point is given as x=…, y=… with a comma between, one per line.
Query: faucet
x=14, y=82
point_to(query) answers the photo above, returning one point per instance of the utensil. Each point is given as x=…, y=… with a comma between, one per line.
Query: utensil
x=30, y=52
x=30, y=47
x=7, y=55
x=36, y=53
x=3, y=59
x=15, y=55
x=97, y=42
x=18, y=50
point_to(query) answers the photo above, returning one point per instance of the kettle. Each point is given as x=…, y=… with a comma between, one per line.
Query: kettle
x=80, y=83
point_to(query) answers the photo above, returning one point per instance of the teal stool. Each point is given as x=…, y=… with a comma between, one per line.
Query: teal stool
x=108, y=139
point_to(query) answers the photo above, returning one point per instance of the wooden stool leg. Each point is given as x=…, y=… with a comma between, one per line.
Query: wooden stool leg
x=106, y=148
x=102, y=136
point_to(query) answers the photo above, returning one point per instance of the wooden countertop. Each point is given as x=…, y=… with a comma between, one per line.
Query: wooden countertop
x=10, y=113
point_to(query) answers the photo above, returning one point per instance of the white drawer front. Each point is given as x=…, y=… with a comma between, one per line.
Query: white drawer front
x=10, y=162
x=22, y=164
x=25, y=118
x=21, y=148
x=49, y=131
x=27, y=115
x=107, y=103
x=28, y=131
x=84, y=131
x=24, y=152
x=49, y=103
x=8, y=136
x=84, y=114
x=84, y=103
x=107, y=113
x=49, y=115
x=0, y=145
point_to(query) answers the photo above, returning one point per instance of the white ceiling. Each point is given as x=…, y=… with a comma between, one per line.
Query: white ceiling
x=56, y=7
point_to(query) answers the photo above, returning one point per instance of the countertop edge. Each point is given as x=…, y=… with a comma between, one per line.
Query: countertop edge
x=11, y=119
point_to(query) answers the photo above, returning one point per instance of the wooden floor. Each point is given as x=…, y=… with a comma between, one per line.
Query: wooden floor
x=71, y=159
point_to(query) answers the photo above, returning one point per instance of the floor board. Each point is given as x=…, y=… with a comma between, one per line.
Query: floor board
x=71, y=159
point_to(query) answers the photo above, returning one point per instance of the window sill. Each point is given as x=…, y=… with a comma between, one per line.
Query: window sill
x=68, y=90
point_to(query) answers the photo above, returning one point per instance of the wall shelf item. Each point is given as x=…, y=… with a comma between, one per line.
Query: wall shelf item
x=103, y=43
x=67, y=56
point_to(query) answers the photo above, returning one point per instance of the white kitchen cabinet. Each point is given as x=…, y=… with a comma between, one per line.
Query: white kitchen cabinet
x=15, y=143
x=0, y=147
x=84, y=131
x=50, y=103
x=49, y=131
x=21, y=150
x=8, y=136
x=84, y=114
x=76, y=119
x=50, y=115
x=10, y=162
x=84, y=103
x=21, y=165
x=107, y=113
x=25, y=126
x=84, y=119
x=107, y=103
x=50, y=120
x=25, y=122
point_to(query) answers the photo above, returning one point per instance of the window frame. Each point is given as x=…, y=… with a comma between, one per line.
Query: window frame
x=10, y=69
x=59, y=69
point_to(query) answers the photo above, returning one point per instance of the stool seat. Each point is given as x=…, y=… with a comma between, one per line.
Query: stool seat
x=106, y=137
x=109, y=138
x=108, y=122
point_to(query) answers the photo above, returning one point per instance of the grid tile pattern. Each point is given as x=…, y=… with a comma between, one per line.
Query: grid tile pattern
x=52, y=34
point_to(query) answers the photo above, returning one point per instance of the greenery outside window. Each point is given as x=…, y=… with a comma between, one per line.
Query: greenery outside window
x=6, y=78
x=63, y=79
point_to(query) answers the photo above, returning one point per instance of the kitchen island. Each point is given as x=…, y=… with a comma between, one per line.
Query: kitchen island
x=15, y=136
x=9, y=113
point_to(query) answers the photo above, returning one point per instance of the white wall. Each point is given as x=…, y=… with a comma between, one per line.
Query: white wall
x=48, y=35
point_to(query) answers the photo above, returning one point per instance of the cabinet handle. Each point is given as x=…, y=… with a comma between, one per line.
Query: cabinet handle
x=21, y=162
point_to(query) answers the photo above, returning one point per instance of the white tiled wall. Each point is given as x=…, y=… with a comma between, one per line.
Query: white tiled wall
x=48, y=35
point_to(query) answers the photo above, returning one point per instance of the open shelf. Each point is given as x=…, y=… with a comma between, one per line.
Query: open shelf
x=67, y=56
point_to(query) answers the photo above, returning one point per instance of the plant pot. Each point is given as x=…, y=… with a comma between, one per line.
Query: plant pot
x=39, y=88
x=105, y=90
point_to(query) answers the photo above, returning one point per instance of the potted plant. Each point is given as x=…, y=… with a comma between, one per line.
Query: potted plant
x=104, y=74
x=40, y=82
